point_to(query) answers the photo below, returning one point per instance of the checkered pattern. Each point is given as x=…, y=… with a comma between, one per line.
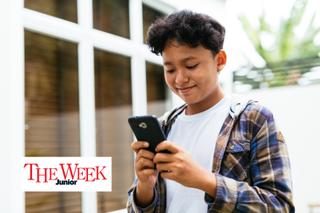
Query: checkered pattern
x=251, y=165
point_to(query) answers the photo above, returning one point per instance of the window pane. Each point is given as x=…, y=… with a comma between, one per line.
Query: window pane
x=111, y=16
x=156, y=90
x=114, y=136
x=149, y=15
x=63, y=9
x=51, y=112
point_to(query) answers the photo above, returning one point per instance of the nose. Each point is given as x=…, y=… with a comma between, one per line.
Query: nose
x=181, y=77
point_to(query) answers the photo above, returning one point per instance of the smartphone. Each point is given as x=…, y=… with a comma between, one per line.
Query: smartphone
x=147, y=128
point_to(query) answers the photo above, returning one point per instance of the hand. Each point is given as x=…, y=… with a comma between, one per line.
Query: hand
x=182, y=168
x=147, y=175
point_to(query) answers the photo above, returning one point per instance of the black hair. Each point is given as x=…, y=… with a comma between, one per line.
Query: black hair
x=187, y=28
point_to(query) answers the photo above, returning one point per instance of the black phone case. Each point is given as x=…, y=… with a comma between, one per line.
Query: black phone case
x=147, y=128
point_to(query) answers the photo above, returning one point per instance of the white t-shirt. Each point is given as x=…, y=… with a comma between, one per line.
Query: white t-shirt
x=198, y=135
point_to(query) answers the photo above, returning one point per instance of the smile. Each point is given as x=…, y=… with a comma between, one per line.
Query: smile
x=185, y=89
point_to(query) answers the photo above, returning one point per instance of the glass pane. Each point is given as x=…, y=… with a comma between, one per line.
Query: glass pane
x=111, y=16
x=51, y=112
x=114, y=136
x=149, y=15
x=156, y=90
x=63, y=9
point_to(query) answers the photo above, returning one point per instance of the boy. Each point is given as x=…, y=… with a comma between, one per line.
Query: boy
x=227, y=155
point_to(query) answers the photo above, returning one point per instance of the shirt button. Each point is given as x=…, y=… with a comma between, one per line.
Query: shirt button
x=231, y=146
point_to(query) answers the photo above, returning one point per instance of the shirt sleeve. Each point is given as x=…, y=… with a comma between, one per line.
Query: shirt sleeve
x=271, y=190
x=131, y=205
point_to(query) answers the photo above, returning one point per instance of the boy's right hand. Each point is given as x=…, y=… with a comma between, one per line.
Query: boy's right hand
x=147, y=175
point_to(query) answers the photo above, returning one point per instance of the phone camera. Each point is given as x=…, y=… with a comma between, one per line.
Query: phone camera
x=143, y=125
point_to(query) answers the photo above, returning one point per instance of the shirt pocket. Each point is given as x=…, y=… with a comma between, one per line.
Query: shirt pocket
x=235, y=162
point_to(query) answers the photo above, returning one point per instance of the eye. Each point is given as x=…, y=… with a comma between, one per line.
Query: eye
x=191, y=67
x=170, y=71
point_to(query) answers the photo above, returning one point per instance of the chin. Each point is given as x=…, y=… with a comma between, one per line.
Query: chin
x=190, y=101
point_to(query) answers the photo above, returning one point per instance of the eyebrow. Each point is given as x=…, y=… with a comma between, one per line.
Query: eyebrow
x=182, y=61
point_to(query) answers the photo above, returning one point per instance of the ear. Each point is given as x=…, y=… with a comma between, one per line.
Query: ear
x=222, y=60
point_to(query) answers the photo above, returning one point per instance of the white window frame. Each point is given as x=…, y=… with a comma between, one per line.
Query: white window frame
x=14, y=20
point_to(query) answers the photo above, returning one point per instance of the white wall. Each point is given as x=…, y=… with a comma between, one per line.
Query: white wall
x=296, y=110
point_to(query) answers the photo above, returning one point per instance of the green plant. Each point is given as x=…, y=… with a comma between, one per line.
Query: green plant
x=287, y=46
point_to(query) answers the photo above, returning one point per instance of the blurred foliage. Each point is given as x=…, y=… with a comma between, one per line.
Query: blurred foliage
x=287, y=45
x=295, y=72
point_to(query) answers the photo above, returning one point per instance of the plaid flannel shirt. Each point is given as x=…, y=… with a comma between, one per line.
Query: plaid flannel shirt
x=250, y=161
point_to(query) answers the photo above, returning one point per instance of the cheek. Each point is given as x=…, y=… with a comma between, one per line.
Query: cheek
x=169, y=79
x=199, y=78
x=204, y=80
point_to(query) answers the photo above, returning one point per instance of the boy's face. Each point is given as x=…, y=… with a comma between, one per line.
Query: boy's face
x=192, y=73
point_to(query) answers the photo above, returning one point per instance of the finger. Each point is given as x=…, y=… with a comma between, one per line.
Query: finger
x=167, y=175
x=143, y=153
x=147, y=172
x=165, y=167
x=137, y=145
x=163, y=157
x=144, y=163
x=168, y=145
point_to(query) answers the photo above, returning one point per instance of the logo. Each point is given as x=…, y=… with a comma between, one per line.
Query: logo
x=66, y=174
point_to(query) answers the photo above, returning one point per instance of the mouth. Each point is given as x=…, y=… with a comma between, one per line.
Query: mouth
x=185, y=89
